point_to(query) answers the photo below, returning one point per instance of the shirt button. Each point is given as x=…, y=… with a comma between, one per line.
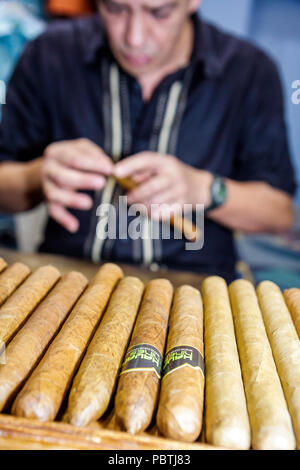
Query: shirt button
x=154, y=267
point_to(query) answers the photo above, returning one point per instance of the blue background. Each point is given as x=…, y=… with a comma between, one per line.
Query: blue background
x=275, y=26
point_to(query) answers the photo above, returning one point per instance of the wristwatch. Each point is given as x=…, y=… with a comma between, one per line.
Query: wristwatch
x=218, y=193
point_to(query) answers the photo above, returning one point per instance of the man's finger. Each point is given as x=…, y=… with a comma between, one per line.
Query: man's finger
x=165, y=210
x=63, y=217
x=95, y=156
x=145, y=161
x=81, y=155
x=161, y=204
x=145, y=191
x=66, y=198
x=165, y=197
x=142, y=176
x=73, y=179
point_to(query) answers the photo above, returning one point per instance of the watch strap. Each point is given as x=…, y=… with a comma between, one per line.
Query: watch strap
x=218, y=192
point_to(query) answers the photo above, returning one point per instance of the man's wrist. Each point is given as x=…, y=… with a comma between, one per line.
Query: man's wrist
x=218, y=193
x=204, y=182
x=33, y=181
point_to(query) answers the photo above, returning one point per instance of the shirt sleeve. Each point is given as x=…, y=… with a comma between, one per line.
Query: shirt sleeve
x=263, y=153
x=24, y=128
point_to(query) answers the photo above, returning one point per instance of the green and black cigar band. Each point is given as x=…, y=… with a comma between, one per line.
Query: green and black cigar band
x=143, y=357
x=182, y=356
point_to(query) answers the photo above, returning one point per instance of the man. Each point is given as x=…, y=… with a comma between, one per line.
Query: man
x=197, y=113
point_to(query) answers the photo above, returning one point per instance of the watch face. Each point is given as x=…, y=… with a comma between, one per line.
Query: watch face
x=219, y=191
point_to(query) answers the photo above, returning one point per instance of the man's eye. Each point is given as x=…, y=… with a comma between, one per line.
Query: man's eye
x=114, y=8
x=162, y=13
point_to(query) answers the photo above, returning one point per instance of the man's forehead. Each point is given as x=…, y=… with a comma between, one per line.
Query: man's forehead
x=148, y=4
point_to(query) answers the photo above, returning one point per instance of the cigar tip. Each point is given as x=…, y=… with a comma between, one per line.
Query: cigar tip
x=232, y=437
x=214, y=279
x=179, y=423
x=20, y=265
x=133, y=428
x=132, y=422
x=33, y=407
x=275, y=441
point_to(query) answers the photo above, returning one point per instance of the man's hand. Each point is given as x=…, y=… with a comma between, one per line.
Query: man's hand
x=68, y=167
x=251, y=206
x=164, y=179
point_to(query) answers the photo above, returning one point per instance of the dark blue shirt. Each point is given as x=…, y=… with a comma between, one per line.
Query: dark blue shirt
x=228, y=119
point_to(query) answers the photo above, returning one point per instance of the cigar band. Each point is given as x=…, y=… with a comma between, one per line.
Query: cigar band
x=182, y=356
x=143, y=357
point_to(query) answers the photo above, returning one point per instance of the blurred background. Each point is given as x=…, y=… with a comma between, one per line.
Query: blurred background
x=271, y=24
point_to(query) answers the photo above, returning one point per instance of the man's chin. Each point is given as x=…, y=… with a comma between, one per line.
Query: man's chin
x=136, y=66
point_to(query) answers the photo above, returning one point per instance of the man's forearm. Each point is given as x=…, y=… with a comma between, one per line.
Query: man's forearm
x=20, y=186
x=255, y=207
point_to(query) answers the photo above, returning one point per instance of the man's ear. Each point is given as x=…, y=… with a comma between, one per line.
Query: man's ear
x=194, y=5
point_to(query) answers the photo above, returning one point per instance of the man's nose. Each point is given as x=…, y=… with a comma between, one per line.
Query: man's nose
x=135, y=33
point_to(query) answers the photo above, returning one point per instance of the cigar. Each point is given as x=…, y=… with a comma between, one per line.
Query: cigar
x=285, y=346
x=226, y=420
x=292, y=299
x=25, y=299
x=139, y=382
x=180, y=408
x=95, y=381
x=190, y=231
x=43, y=393
x=3, y=264
x=27, y=347
x=11, y=278
x=271, y=425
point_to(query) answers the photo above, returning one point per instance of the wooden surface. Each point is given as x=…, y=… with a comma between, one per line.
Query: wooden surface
x=19, y=433
x=66, y=264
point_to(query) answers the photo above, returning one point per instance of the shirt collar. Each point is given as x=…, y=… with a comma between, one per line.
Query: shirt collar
x=205, y=52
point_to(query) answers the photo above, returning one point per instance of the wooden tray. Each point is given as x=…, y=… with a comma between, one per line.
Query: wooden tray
x=25, y=434
x=20, y=434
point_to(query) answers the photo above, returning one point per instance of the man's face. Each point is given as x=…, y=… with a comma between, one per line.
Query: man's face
x=143, y=34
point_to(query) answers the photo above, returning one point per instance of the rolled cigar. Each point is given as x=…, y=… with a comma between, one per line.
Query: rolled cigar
x=3, y=264
x=138, y=387
x=285, y=346
x=226, y=417
x=43, y=393
x=182, y=224
x=25, y=299
x=271, y=425
x=27, y=347
x=181, y=397
x=292, y=299
x=11, y=279
x=95, y=381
